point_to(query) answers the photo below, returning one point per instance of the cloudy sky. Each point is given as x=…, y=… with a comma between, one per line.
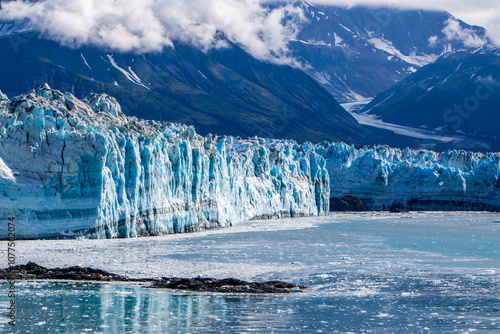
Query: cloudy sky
x=151, y=25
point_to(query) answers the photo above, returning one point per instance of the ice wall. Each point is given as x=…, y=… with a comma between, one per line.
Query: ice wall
x=73, y=168
x=82, y=168
x=414, y=179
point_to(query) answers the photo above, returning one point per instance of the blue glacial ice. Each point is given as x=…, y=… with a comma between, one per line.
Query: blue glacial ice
x=414, y=179
x=73, y=168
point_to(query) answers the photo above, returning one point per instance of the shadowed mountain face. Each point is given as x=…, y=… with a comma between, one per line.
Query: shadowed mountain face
x=222, y=91
x=356, y=53
x=458, y=95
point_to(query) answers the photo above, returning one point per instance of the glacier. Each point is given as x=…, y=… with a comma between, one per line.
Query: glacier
x=72, y=168
x=385, y=177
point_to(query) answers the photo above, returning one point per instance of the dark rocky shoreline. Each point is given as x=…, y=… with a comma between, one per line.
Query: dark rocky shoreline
x=33, y=271
x=352, y=203
x=227, y=285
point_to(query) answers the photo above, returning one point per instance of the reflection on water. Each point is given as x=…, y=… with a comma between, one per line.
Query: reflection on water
x=338, y=303
x=73, y=307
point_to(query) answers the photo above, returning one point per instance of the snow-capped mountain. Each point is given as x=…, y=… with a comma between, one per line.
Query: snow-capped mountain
x=458, y=95
x=356, y=53
x=73, y=168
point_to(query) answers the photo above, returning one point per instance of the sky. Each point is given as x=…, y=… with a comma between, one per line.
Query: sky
x=152, y=25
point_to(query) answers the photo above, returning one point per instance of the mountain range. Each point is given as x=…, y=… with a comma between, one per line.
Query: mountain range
x=346, y=55
x=458, y=95
x=356, y=53
x=223, y=91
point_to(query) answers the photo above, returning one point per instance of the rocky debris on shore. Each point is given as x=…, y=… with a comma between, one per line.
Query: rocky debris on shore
x=228, y=285
x=398, y=208
x=347, y=203
x=33, y=271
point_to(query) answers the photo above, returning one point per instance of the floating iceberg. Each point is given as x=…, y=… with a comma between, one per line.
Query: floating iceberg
x=73, y=168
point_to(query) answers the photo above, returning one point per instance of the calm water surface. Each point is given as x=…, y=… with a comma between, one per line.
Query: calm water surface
x=414, y=273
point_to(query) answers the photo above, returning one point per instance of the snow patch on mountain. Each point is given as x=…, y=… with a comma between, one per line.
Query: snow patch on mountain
x=130, y=75
x=85, y=61
x=322, y=77
x=414, y=59
x=338, y=40
x=15, y=27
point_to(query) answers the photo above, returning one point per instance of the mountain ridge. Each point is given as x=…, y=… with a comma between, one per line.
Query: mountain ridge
x=212, y=91
x=456, y=95
x=229, y=92
x=356, y=53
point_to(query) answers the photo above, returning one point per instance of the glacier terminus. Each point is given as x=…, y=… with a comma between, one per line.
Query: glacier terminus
x=72, y=168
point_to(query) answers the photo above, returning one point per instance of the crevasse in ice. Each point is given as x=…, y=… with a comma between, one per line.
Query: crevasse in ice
x=82, y=168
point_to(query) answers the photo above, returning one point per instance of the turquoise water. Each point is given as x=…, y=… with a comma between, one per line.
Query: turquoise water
x=367, y=274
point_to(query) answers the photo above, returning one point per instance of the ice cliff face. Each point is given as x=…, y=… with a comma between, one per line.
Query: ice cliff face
x=73, y=168
x=416, y=180
x=82, y=168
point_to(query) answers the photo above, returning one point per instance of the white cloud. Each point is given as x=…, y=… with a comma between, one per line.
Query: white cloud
x=433, y=40
x=491, y=20
x=151, y=25
x=453, y=31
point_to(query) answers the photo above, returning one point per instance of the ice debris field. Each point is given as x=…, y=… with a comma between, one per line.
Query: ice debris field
x=71, y=168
